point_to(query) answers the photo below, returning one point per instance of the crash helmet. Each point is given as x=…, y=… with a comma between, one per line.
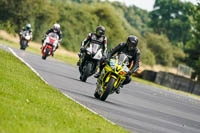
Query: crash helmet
x=100, y=30
x=56, y=27
x=132, y=42
x=28, y=26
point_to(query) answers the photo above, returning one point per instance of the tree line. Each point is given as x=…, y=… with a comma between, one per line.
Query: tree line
x=168, y=35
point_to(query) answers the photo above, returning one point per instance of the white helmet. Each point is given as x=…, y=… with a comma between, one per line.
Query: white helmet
x=56, y=27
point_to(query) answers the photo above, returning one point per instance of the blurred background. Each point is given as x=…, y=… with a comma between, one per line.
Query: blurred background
x=168, y=30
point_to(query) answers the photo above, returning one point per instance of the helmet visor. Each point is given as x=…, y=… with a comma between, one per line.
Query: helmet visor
x=100, y=33
x=131, y=45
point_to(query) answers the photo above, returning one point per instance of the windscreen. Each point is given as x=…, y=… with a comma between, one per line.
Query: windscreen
x=95, y=48
x=122, y=59
x=53, y=35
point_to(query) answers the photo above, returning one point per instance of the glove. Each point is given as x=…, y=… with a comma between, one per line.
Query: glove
x=82, y=49
x=106, y=60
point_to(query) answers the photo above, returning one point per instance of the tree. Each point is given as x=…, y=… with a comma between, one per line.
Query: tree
x=161, y=48
x=21, y=12
x=136, y=17
x=172, y=17
x=193, y=47
x=86, y=1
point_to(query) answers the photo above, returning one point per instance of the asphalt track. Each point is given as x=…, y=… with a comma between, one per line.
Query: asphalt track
x=139, y=108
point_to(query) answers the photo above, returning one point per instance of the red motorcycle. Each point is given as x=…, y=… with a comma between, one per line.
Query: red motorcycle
x=50, y=42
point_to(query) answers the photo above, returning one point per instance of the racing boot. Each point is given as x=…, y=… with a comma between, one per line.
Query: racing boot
x=80, y=55
x=97, y=74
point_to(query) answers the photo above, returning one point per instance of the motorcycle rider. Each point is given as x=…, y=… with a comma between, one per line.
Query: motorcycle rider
x=97, y=38
x=54, y=29
x=26, y=28
x=129, y=48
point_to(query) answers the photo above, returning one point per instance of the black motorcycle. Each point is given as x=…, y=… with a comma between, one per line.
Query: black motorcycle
x=24, y=40
x=92, y=54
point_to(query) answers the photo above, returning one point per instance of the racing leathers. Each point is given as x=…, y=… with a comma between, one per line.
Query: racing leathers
x=92, y=38
x=59, y=33
x=133, y=55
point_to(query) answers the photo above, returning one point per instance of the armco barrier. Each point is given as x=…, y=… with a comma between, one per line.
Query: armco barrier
x=172, y=81
x=197, y=89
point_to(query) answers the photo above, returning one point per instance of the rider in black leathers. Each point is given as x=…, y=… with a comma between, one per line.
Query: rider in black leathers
x=97, y=38
x=129, y=48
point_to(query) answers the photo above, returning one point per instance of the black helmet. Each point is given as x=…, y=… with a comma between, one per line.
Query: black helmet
x=132, y=42
x=100, y=31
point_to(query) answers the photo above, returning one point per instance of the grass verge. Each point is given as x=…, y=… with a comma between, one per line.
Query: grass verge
x=27, y=104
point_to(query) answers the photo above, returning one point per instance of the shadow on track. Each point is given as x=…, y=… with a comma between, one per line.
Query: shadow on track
x=61, y=75
x=64, y=90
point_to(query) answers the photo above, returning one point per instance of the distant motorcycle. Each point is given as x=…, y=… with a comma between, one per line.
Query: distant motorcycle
x=50, y=42
x=24, y=39
x=93, y=54
x=112, y=76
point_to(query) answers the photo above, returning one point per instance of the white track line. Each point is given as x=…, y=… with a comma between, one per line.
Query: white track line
x=48, y=84
x=27, y=64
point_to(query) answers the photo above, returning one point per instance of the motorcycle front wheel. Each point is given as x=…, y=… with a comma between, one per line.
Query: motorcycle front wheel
x=107, y=89
x=46, y=54
x=86, y=72
x=23, y=44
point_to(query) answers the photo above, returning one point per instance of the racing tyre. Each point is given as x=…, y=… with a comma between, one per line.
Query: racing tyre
x=46, y=54
x=86, y=72
x=23, y=45
x=107, y=90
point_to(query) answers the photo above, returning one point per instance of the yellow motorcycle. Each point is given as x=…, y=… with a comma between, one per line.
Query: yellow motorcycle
x=112, y=76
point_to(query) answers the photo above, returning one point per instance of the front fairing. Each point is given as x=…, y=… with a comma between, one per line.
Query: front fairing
x=94, y=51
x=52, y=39
x=44, y=49
x=26, y=35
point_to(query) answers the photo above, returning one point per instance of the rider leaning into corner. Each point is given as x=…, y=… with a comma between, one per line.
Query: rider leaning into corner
x=129, y=48
x=26, y=28
x=93, y=38
x=54, y=29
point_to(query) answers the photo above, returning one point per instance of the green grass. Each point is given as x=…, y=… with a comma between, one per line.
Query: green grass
x=67, y=59
x=28, y=105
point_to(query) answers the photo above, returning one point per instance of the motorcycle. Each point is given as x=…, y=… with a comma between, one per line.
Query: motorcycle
x=25, y=37
x=92, y=54
x=112, y=76
x=50, y=42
